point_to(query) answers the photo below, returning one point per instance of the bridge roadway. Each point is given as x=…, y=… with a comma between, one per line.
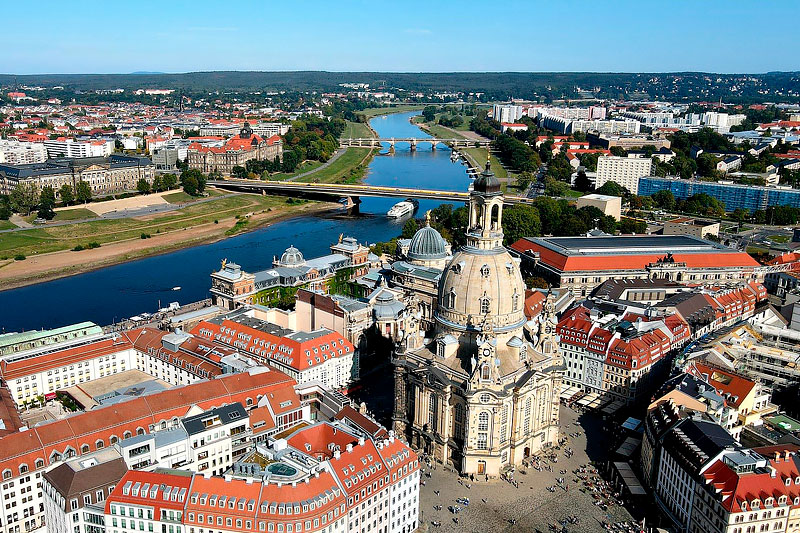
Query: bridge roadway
x=349, y=193
x=414, y=141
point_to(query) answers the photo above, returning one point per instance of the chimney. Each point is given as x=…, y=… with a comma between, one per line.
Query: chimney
x=361, y=441
x=349, y=447
x=337, y=454
x=777, y=456
x=228, y=477
x=787, y=454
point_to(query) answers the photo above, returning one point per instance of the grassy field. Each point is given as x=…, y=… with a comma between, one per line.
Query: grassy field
x=305, y=166
x=356, y=130
x=78, y=213
x=5, y=224
x=343, y=168
x=479, y=159
x=42, y=240
x=779, y=238
x=400, y=108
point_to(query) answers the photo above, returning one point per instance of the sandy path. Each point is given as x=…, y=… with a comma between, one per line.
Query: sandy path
x=66, y=262
x=134, y=202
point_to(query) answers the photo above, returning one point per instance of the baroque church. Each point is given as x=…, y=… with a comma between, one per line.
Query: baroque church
x=473, y=388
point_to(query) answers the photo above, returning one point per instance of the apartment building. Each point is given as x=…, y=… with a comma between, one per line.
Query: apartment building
x=27, y=453
x=75, y=491
x=321, y=355
x=72, y=149
x=325, y=477
x=625, y=171
x=21, y=153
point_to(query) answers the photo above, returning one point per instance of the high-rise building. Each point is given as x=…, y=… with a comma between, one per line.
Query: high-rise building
x=625, y=171
x=21, y=153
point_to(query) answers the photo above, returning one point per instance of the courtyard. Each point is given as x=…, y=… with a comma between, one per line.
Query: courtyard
x=536, y=503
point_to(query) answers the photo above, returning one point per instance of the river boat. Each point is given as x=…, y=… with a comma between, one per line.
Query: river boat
x=400, y=209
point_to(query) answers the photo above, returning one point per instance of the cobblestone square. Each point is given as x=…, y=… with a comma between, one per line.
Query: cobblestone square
x=495, y=504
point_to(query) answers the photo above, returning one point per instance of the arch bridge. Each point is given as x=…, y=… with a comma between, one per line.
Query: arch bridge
x=371, y=142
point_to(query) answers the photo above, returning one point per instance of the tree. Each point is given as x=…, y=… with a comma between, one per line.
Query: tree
x=612, y=188
x=618, y=151
x=554, y=187
x=24, y=198
x=5, y=207
x=664, y=199
x=47, y=201
x=143, y=186
x=170, y=181
x=158, y=183
x=582, y=182
x=629, y=225
x=520, y=221
x=409, y=228
x=66, y=194
x=239, y=172
x=740, y=215
x=83, y=192
x=189, y=185
x=429, y=113
x=196, y=181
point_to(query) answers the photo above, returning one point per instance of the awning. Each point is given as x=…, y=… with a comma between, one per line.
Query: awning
x=630, y=445
x=629, y=479
x=569, y=392
x=613, y=407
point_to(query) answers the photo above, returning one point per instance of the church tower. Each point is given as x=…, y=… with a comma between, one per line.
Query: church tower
x=485, y=231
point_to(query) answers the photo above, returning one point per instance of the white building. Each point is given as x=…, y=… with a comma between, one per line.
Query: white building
x=76, y=149
x=21, y=153
x=268, y=129
x=626, y=171
x=217, y=438
x=507, y=113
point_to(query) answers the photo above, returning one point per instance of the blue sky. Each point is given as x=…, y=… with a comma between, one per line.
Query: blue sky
x=106, y=36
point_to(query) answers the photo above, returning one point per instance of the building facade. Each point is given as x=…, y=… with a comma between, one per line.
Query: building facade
x=733, y=195
x=478, y=395
x=625, y=171
x=236, y=151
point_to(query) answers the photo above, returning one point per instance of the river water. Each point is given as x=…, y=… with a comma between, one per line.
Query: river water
x=109, y=294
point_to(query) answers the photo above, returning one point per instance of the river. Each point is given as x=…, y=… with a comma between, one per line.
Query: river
x=109, y=294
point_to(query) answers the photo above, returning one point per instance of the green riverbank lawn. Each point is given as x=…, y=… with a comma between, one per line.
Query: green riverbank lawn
x=342, y=167
x=400, y=108
x=43, y=240
x=356, y=130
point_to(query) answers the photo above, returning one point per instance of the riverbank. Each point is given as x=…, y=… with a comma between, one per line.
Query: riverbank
x=53, y=265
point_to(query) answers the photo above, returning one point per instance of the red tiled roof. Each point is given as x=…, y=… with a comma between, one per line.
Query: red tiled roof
x=734, y=387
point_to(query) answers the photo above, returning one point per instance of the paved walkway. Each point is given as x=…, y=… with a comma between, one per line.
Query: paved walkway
x=20, y=222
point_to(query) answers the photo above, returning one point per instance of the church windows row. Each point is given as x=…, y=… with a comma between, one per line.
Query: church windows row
x=483, y=421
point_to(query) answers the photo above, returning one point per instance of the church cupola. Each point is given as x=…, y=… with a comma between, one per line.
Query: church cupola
x=485, y=230
x=246, y=132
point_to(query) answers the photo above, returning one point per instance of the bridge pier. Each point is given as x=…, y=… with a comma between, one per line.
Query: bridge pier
x=351, y=204
x=433, y=145
x=413, y=143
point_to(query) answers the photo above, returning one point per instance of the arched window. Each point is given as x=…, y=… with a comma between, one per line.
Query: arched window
x=127, y=435
x=249, y=402
x=163, y=424
x=23, y=468
x=113, y=440
x=526, y=417
x=495, y=216
x=515, y=301
x=7, y=473
x=485, y=302
x=483, y=421
x=99, y=444
x=69, y=452
x=84, y=449
x=55, y=457
x=39, y=463
x=485, y=271
x=140, y=430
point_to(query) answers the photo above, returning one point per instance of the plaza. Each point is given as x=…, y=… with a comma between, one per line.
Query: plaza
x=494, y=504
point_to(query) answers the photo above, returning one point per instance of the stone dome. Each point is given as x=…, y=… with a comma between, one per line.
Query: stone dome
x=427, y=245
x=486, y=182
x=292, y=257
x=479, y=285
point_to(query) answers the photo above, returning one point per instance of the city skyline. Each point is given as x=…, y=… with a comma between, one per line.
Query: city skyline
x=414, y=37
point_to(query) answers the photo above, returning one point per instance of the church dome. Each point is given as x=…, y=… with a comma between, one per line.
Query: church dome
x=486, y=182
x=292, y=257
x=479, y=286
x=426, y=245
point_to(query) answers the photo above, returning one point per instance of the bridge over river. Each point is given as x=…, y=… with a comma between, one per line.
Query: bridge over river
x=414, y=141
x=349, y=195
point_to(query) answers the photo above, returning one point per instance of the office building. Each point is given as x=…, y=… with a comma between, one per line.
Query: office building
x=691, y=226
x=72, y=149
x=625, y=171
x=236, y=151
x=609, y=205
x=628, y=142
x=582, y=263
x=733, y=195
x=105, y=175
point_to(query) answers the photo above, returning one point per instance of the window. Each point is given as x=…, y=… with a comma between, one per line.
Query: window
x=485, y=271
x=485, y=372
x=483, y=421
x=482, y=441
x=484, y=304
x=450, y=299
x=515, y=301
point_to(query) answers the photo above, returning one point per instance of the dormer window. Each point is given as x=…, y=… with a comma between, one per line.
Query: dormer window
x=485, y=302
x=450, y=299
x=485, y=271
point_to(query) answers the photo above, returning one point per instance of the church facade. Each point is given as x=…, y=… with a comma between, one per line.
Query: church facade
x=478, y=393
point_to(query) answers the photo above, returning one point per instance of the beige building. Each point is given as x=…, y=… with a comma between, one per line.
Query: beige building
x=626, y=171
x=105, y=175
x=691, y=226
x=236, y=151
x=609, y=205
x=477, y=394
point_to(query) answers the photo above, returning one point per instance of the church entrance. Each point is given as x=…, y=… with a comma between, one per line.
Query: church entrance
x=481, y=467
x=527, y=452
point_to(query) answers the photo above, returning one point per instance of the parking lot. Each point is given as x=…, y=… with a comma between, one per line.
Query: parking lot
x=499, y=505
